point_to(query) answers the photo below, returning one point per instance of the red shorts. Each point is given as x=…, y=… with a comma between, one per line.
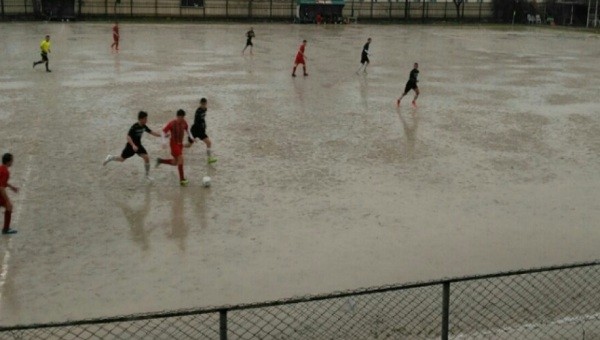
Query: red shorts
x=176, y=150
x=2, y=202
x=299, y=60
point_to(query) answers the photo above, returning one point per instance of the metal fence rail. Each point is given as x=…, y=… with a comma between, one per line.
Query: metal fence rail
x=561, y=302
x=249, y=10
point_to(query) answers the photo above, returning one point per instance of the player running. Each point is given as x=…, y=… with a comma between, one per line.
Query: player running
x=411, y=84
x=134, y=143
x=249, y=35
x=175, y=129
x=44, y=49
x=7, y=161
x=364, y=57
x=199, y=130
x=115, y=32
x=300, y=59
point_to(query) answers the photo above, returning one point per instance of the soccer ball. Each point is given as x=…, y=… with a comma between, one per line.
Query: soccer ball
x=206, y=181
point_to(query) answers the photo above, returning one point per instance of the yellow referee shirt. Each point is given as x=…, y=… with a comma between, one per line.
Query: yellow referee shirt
x=45, y=46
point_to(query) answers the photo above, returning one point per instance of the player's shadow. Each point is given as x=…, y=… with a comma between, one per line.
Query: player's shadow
x=136, y=218
x=249, y=63
x=117, y=64
x=299, y=89
x=179, y=229
x=410, y=131
x=200, y=198
x=363, y=88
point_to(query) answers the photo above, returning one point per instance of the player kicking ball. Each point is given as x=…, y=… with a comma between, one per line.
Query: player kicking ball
x=199, y=130
x=175, y=129
x=134, y=143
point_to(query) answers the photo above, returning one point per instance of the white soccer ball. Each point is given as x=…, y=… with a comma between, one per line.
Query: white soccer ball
x=206, y=181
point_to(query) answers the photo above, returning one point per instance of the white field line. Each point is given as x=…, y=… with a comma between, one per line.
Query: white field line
x=531, y=326
x=22, y=198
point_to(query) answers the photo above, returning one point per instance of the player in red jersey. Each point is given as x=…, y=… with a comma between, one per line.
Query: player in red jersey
x=7, y=161
x=176, y=129
x=300, y=59
x=115, y=32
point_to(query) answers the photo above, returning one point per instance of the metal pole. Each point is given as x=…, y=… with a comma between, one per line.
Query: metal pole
x=223, y=324
x=596, y=15
x=587, y=22
x=445, y=9
x=2, y=4
x=571, y=22
x=445, y=310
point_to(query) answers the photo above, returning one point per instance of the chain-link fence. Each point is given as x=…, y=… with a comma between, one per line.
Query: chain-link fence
x=373, y=11
x=546, y=303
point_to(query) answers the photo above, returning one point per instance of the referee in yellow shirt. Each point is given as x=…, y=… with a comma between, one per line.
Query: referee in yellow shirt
x=45, y=49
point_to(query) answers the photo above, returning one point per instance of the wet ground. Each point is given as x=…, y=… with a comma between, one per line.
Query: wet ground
x=321, y=183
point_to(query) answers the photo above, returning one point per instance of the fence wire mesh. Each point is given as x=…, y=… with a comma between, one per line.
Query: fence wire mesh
x=399, y=314
x=202, y=326
x=563, y=304
x=553, y=303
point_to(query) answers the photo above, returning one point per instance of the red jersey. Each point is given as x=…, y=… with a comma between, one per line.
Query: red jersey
x=300, y=53
x=177, y=130
x=4, y=175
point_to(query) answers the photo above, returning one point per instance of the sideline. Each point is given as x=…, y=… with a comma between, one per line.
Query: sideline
x=22, y=198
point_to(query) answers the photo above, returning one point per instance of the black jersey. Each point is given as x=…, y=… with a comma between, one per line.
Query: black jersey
x=136, y=131
x=365, y=50
x=413, y=75
x=199, y=117
x=250, y=35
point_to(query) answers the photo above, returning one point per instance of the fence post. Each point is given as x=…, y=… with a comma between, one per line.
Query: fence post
x=223, y=324
x=445, y=9
x=445, y=310
x=2, y=3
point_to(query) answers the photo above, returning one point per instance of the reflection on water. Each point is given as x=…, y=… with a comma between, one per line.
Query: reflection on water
x=179, y=229
x=136, y=218
x=410, y=130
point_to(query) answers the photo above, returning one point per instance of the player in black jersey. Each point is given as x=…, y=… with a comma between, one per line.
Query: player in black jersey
x=198, y=130
x=364, y=57
x=411, y=84
x=249, y=35
x=134, y=143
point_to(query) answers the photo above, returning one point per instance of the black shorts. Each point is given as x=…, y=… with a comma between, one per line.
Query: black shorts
x=364, y=59
x=249, y=43
x=44, y=56
x=410, y=85
x=128, y=151
x=199, y=131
